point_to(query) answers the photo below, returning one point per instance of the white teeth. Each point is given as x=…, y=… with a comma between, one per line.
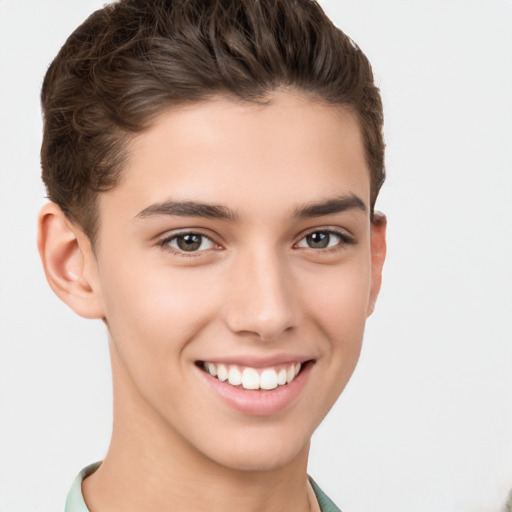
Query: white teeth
x=211, y=369
x=250, y=378
x=222, y=372
x=268, y=379
x=234, y=376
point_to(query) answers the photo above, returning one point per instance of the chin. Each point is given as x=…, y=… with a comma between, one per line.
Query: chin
x=260, y=452
x=257, y=463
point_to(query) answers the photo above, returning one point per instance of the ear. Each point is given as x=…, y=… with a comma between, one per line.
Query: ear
x=378, y=248
x=69, y=262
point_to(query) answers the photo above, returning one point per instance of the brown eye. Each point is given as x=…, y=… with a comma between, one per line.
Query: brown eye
x=189, y=242
x=322, y=240
x=318, y=240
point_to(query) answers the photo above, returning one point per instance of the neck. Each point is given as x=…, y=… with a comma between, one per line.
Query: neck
x=149, y=466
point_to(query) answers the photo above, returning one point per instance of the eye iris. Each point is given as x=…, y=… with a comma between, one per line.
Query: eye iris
x=189, y=242
x=318, y=240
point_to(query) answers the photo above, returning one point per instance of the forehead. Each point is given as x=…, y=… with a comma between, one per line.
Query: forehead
x=292, y=149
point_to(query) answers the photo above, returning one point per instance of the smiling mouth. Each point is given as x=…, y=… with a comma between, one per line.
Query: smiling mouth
x=245, y=377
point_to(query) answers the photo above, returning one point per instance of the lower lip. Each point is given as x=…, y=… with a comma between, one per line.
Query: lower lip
x=258, y=402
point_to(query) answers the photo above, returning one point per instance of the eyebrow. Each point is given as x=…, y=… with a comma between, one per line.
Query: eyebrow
x=189, y=209
x=212, y=211
x=337, y=205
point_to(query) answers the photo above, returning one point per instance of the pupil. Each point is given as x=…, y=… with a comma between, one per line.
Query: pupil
x=318, y=240
x=189, y=242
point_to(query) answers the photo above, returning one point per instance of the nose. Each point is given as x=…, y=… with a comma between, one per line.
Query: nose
x=262, y=300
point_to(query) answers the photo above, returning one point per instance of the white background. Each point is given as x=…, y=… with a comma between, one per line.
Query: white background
x=426, y=423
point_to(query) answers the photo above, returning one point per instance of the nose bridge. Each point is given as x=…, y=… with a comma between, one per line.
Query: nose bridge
x=263, y=300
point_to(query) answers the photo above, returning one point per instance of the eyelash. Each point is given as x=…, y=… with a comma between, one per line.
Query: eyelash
x=164, y=244
x=344, y=239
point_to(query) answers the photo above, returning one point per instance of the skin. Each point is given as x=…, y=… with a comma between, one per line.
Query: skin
x=255, y=288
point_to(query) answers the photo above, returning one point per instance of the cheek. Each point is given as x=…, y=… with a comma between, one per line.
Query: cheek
x=341, y=301
x=336, y=315
x=154, y=309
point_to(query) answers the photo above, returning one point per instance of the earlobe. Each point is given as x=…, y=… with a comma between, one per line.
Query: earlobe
x=68, y=262
x=378, y=247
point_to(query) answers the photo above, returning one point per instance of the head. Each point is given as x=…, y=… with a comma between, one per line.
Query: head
x=135, y=59
x=213, y=168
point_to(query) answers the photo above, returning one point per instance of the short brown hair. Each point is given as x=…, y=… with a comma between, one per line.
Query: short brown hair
x=133, y=59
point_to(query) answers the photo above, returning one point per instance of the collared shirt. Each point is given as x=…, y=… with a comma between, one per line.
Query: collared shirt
x=75, y=500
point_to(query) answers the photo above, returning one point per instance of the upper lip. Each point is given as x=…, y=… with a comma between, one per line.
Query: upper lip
x=255, y=361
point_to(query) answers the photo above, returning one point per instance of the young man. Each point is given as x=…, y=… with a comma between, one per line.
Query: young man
x=213, y=169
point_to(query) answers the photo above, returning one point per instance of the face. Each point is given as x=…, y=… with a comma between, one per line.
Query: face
x=234, y=270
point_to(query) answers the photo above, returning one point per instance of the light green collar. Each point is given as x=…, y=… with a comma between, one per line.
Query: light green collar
x=75, y=500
